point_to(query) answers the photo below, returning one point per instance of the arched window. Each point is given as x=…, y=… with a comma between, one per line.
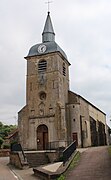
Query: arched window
x=42, y=66
x=42, y=95
x=64, y=69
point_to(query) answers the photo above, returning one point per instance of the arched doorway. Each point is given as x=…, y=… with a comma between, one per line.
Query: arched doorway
x=42, y=137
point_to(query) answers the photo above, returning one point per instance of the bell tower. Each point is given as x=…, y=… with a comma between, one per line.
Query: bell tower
x=43, y=119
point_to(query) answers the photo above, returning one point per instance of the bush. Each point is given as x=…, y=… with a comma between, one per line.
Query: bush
x=1, y=141
x=109, y=150
x=62, y=177
x=6, y=146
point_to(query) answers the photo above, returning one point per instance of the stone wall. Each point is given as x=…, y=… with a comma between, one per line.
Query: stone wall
x=79, y=113
x=15, y=160
x=4, y=153
x=53, y=156
x=47, y=94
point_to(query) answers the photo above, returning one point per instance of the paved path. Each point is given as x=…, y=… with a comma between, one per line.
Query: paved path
x=5, y=172
x=95, y=164
x=26, y=174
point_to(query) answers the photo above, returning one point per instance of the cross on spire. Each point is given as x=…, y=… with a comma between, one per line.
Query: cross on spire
x=48, y=3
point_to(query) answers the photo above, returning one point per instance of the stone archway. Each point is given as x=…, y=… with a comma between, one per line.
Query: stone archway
x=42, y=137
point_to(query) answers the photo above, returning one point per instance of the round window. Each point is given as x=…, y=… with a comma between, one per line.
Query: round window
x=42, y=95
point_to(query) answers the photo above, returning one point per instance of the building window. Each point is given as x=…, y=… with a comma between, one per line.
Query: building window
x=86, y=131
x=42, y=95
x=42, y=66
x=64, y=69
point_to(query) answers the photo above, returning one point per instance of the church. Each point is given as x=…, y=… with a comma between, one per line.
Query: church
x=54, y=116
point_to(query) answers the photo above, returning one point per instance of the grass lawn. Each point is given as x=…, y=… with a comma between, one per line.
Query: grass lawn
x=109, y=150
x=71, y=167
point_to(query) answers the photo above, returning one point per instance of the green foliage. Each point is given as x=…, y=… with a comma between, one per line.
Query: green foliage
x=109, y=150
x=75, y=161
x=62, y=177
x=6, y=129
x=71, y=167
x=1, y=124
x=6, y=146
x=1, y=141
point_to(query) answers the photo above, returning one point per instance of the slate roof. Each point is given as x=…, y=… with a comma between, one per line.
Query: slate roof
x=48, y=39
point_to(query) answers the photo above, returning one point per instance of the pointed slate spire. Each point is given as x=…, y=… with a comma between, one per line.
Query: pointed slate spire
x=48, y=33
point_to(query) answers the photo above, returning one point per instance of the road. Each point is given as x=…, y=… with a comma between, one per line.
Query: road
x=94, y=164
x=5, y=172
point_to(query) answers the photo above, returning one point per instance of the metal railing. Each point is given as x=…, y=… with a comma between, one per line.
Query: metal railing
x=18, y=148
x=69, y=151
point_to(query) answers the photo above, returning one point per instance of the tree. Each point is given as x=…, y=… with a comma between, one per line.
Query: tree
x=1, y=124
x=1, y=142
x=6, y=129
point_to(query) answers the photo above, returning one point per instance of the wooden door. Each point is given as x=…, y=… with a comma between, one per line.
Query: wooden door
x=42, y=137
x=75, y=138
x=45, y=140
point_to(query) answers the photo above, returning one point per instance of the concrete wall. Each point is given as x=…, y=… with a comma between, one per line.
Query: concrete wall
x=4, y=152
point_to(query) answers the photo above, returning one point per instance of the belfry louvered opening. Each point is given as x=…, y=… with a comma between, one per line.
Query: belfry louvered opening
x=64, y=69
x=42, y=66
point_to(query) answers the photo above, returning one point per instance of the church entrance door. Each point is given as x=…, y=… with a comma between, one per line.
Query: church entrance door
x=42, y=137
x=75, y=138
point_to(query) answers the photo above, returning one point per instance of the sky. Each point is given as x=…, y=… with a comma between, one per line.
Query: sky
x=83, y=31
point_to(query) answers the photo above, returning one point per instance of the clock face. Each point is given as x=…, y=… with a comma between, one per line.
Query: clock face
x=42, y=48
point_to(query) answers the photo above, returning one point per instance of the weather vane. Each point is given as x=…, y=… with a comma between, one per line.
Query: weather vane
x=48, y=3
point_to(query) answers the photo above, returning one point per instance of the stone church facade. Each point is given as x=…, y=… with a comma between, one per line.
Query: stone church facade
x=54, y=115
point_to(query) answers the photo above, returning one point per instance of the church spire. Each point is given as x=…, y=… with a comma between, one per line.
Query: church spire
x=48, y=32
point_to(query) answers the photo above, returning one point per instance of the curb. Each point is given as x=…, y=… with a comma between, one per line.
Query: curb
x=14, y=172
